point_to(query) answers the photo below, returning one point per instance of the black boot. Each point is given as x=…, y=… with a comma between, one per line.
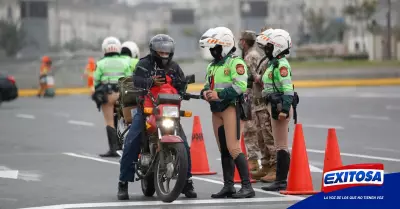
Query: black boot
x=228, y=168
x=188, y=190
x=112, y=143
x=247, y=190
x=123, y=191
x=282, y=169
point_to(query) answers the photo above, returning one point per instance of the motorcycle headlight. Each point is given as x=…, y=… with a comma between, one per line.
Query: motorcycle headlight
x=170, y=112
x=168, y=123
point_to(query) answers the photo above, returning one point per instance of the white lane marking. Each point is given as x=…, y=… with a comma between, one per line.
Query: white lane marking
x=378, y=95
x=91, y=158
x=157, y=203
x=369, y=117
x=194, y=177
x=357, y=155
x=382, y=149
x=81, y=123
x=9, y=174
x=29, y=176
x=26, y=116
x=322, y=126
x=390, y=107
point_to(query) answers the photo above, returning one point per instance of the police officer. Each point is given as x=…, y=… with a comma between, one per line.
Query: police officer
x=162, y=49
x=258, y=131
x=130, y=52
x=108, y=70
x=279, y=93
x=226, y=83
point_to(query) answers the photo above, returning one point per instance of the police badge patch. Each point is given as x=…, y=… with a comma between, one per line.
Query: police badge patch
x=240, y=69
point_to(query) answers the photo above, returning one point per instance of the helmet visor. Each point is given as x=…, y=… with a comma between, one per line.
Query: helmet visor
x=163, y=46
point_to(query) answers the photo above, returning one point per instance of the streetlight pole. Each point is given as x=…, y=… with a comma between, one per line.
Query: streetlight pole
x=389, y=31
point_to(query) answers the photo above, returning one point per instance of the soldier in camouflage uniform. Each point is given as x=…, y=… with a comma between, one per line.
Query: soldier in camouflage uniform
x=258, y=131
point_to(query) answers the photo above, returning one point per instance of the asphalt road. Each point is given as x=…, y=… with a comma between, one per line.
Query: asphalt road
x=49, y=147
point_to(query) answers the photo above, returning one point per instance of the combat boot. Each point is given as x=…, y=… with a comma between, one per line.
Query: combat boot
x=263, y=171
x=282, y=169
x=188, y=190
x=112, y=143
x=228, y=169
x=253, y=165
x=270, y=177
x=247, y=190
x=123, y=191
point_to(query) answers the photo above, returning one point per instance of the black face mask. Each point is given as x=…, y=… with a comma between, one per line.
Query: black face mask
x=268, y=49
x=161, y=62
x=216, y=52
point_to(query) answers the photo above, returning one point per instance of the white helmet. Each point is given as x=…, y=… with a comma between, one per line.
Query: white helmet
x=133, y=48
x=278, y=37
x=111, y=45
x=218, y=36
x=286, y=34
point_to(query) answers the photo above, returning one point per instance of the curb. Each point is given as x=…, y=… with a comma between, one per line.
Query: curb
x=298, y=84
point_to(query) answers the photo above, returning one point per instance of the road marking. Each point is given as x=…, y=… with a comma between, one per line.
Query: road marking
x=370, y=117
x=9, y=174
x=312, y=167
x=25, y=116
x=81, y=123
x=379, y=95
x=357, y=155
x=176, y=202
x=382, y=149
x=322, y=126
x=194, y=177
x=389, y=107
x=29, y=176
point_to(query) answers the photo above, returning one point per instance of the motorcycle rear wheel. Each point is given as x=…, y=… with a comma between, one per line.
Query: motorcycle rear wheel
x=182, y=162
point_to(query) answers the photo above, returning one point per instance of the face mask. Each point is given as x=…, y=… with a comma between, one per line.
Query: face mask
x=216, y=52
x=241, y=46
x=164, y=62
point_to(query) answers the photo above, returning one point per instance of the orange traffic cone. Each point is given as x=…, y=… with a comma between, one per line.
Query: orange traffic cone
x=237, y=177
x=198, y=151
x=299, y=179
x=332, y=153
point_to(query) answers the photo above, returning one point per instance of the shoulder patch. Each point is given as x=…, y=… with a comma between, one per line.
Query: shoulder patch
x=240, y=69
x=283, y=71
x=270, y=75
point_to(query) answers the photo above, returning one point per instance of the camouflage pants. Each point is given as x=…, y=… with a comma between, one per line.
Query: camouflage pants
x=258, y=135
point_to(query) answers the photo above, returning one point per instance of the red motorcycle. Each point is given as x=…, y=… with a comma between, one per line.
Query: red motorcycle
x=163, y=155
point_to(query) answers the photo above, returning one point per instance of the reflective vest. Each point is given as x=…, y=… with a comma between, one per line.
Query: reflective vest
x=282, y=78
x=110, y=69
x=225, y=75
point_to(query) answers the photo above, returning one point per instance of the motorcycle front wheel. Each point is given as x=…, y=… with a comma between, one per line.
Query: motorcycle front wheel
x=174, y=166
x=147, y=184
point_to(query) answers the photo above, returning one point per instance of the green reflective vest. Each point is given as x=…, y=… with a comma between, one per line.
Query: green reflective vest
x=131, y=61
x=227, y=77
x=282, y=78
x=110, y=69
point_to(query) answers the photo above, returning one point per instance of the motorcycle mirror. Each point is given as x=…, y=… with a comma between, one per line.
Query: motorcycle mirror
x=190, y=79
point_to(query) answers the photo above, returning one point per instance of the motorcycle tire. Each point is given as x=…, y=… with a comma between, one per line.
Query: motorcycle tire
x=182, y=174
x=147, y=185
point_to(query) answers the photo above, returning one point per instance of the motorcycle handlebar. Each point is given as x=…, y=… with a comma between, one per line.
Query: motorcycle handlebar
x=187, y=96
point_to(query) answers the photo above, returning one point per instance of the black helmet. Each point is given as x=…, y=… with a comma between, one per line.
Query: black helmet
x=162, y=43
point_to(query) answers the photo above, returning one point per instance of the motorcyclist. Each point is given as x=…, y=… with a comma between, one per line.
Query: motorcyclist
x=130, y=52
x=108, y=70
x=147, y=74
